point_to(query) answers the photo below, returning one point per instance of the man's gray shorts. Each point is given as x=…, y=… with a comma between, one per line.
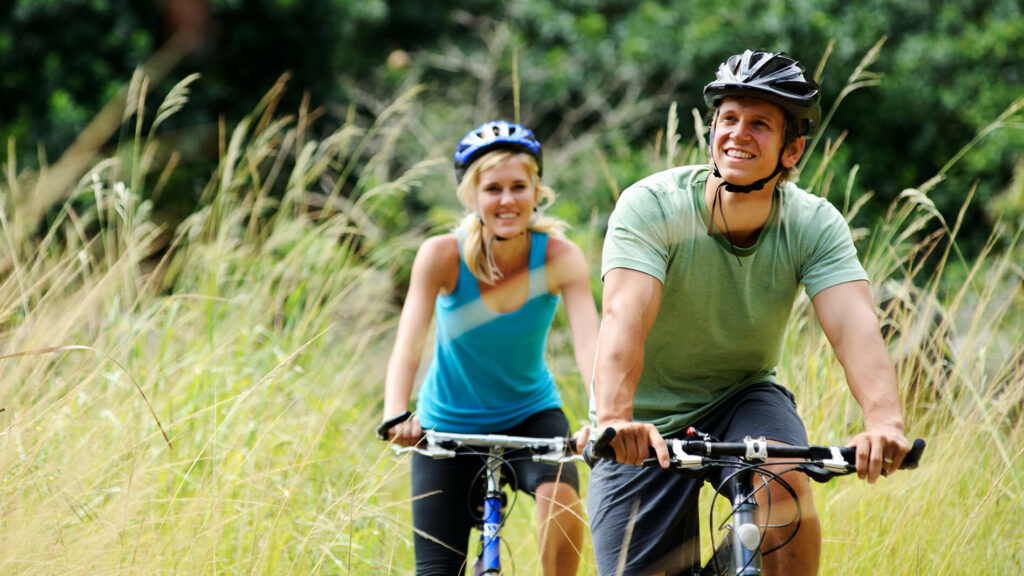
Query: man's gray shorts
x=656, y=510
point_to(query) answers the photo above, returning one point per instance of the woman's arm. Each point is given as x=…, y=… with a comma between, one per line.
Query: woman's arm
x=570, y=275
x=435, y=268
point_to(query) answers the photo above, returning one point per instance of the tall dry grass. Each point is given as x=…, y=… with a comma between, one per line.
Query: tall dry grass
x=200, y=405
x=200, y=400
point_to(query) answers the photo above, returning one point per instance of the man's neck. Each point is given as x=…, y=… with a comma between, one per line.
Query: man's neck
x=745, y=214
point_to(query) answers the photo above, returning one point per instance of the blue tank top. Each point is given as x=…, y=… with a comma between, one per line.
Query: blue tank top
x=488, y=371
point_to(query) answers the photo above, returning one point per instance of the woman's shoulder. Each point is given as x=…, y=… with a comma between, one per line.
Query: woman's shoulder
x=438, y=257
x=560, y=246
x=440, y=253
x=565, y=261
x=443, y=247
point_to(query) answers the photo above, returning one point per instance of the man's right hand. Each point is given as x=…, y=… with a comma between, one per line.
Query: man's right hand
x=633, y=441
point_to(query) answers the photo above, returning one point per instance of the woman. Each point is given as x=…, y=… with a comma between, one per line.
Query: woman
x=494, y=284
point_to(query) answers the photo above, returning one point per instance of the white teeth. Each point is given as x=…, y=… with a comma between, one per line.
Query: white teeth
x=739, y=154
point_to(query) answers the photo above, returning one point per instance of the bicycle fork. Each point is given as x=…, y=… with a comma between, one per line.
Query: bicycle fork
x=745, y=537
x=489, y=561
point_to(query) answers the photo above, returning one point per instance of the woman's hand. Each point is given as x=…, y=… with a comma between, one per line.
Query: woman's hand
x=580, y=439
x=407, y=433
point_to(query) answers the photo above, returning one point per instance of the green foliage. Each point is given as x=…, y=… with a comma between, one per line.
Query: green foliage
x=946, y=75
x=603, y=74
x=593, y=78
x=62, y=60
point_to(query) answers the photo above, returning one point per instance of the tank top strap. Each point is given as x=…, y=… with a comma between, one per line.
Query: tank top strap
x=538, y=268
x=466, y=287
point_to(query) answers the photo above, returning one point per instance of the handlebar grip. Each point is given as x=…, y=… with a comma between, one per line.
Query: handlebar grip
x=601, y=448
x=382, y=430
x=911, y=460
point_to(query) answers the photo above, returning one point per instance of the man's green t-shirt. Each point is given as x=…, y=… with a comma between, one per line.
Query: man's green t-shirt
x=720, y=325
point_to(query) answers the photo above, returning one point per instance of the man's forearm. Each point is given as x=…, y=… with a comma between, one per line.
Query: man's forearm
x=619, y=363
x=872, y=379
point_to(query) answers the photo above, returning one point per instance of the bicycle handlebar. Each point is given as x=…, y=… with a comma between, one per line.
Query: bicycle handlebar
x=686, y=453
x=444, y=445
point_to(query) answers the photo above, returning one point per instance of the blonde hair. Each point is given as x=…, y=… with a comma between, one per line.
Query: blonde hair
x=476, y=251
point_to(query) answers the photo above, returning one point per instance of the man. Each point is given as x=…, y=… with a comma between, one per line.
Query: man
x=701, y=267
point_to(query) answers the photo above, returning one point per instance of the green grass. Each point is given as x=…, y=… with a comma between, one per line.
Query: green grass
x=201, y=400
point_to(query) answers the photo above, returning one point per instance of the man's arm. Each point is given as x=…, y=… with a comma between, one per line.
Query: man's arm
x=630, y=304
x=847, y=316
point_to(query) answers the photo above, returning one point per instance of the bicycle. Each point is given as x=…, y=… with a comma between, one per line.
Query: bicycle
x=554, y=450
x=739, y=553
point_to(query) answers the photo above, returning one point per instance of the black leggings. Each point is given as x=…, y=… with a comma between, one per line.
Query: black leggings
x=448, y=494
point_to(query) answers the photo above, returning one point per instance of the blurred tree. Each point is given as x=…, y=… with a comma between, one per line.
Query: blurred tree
x=948, y=71
x=62, y=60
x=592, y=75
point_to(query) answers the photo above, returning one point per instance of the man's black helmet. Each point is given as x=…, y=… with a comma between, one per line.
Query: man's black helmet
x=771, y=76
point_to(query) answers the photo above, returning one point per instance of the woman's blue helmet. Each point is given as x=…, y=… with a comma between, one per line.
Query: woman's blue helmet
x=494, y=136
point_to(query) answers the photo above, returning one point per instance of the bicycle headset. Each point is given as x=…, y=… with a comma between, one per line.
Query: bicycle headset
x=495, y=135
x=770, y=76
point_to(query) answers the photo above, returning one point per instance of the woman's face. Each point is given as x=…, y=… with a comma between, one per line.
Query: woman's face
x=748, y=138
x=505, y=198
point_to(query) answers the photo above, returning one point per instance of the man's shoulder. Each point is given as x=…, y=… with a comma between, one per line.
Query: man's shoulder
x=667, y=181
x=798, y=202
x=668, y=188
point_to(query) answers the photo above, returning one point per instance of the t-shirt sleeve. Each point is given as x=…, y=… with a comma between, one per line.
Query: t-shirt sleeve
x=638, y=235
x=832, y=256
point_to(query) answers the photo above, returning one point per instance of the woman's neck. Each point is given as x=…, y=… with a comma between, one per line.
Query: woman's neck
x=511, y=254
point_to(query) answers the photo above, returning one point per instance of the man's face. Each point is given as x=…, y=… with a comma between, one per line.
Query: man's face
x=748, y=136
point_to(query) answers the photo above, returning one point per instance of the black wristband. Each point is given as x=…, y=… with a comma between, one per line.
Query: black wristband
x=382, y=430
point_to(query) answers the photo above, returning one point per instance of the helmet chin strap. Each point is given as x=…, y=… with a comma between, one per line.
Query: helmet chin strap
x=489, y=252
x=506, y=238
x=729, y=186
x=747, y=189
x=495, y=236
